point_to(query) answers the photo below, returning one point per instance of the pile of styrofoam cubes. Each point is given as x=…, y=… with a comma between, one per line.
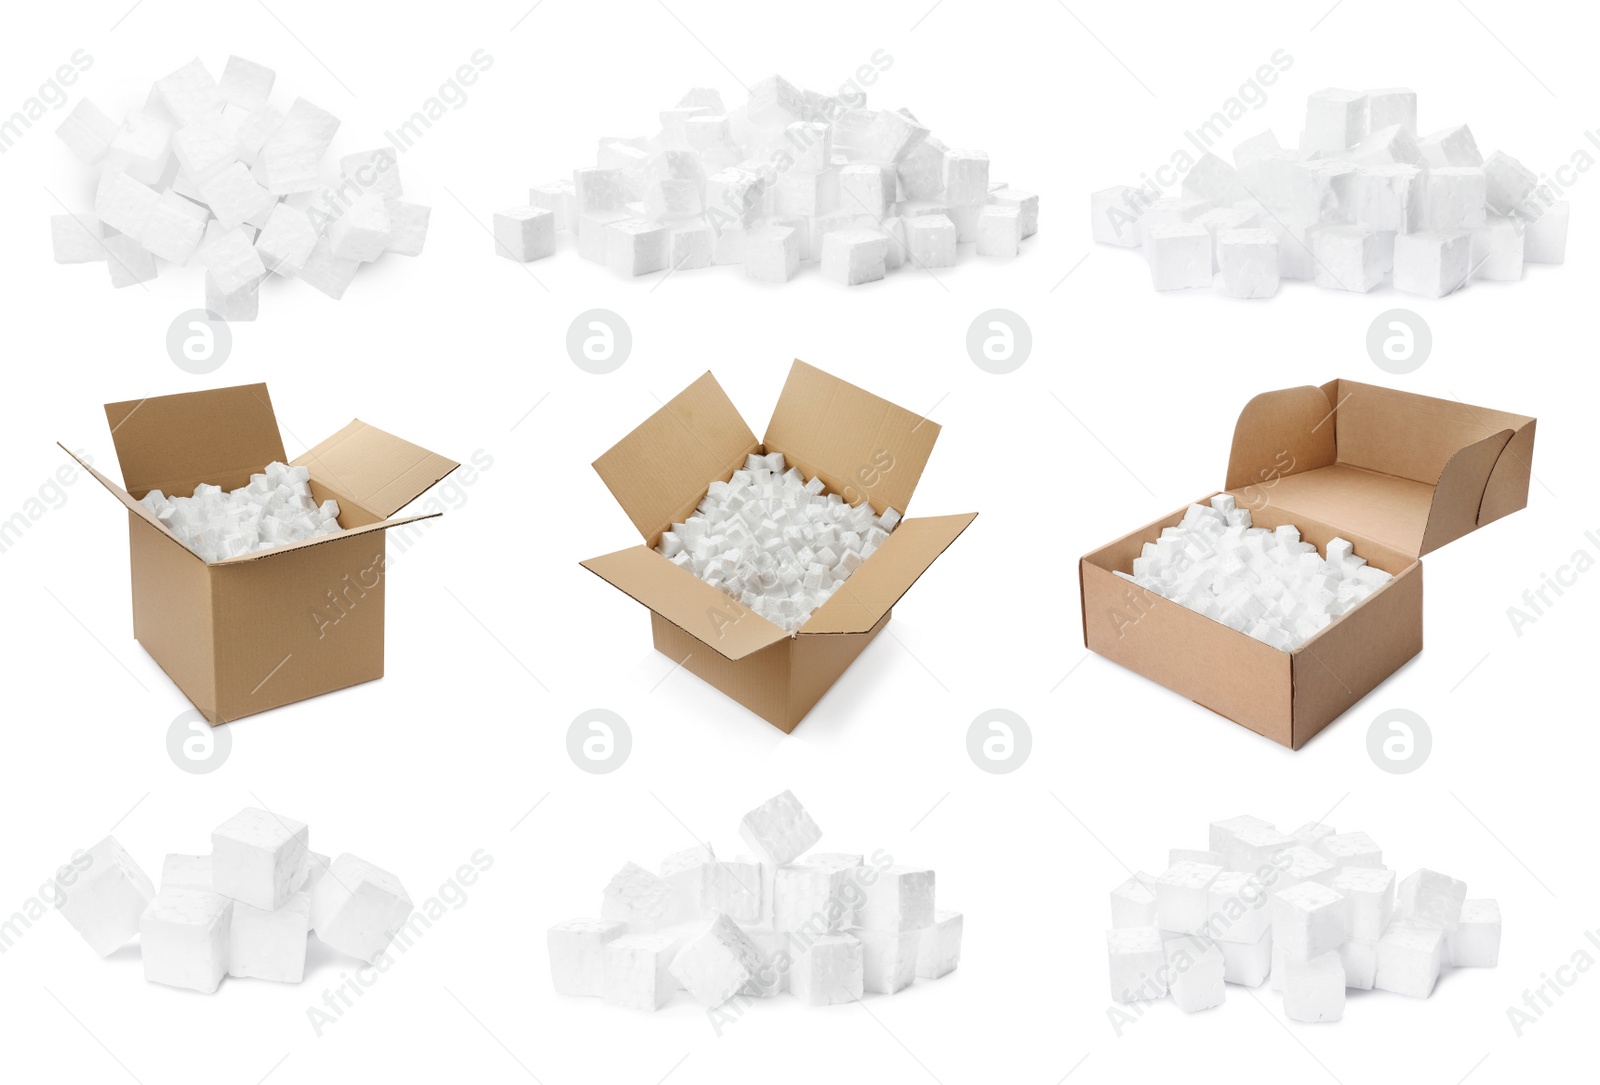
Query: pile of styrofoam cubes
x=209, y=172
x=245, y=910
x=825, y=928
x=1364, y=197
x=1316, y=910
x=273, y=509
x=1266, y=583
x=775, y=541
x=789, y=177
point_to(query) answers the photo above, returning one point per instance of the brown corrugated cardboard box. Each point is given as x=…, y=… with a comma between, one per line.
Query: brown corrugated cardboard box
x=249, y=633
x=1397, y=474
x=862, y=447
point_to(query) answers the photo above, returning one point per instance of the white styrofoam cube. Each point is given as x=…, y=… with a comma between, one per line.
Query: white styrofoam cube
x=692, y=245
x=259, y=857
x=1026, y=203
x=1544, y=240
x=1138, y=964
x=866, y=188
x=241, y=304
x=638, y=898
x=1225, y=834
x=408, y=226
x=1371, y=895
x=939, y=946
x=1450, y=147
x=780, y=829
x=141, y=148
x=173, y=229
x=233, y=194
x=285, y=242
x=636, y=246
x=1497, y=249
x=1314, y=832
x=1388, y=197
x=888, y=959
x=358, y=908
x=1475, y=942
x=691, y=877
x=190, y=93
x=87, y=131
x=1114, y=215
x=77, y=239
x=738, y=889
x=128, y=262
x=931, y=241
x=901, y=898
x=186, y=872
x=1359, y=957
x=1347, y=258
x=206, y=146
x=1247, y=263
x=363, y=231
x=598, y=189
x=184, y=937
x=1179, y=256
x=637, y=971
x=560, y=199
x=1429, y=899
x=855, y=256
x=715, y=961
x=577, y=955
x=1351, y=849
x=1508, y=183
x=1454, y=198
x=1212, y=179
x=231, y=258
x=1314, y=989
x=1133, y=903
x=1183, y=897
x=105, y=898
x=772, y=254
x=1432, y=263
x=1387, y=146
x=966, y=177
x=1408, y=959
x=813, y=899
x=123, y=203
x=1335, y=120
x=330, y=274
x=1392, y=106
x=1247, y=963
x=772, y=978
x=999, y=230
x=829, y=970
x=524, y=233
x=245, y=83
x=1237, y=907
x=269, y=945
x=1197, y=973
x=1308, y=920
x=1300, y=864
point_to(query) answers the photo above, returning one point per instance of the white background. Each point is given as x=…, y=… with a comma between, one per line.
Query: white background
x=497, y=639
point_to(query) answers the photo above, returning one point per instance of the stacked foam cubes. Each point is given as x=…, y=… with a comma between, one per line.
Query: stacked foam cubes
x=274, y=508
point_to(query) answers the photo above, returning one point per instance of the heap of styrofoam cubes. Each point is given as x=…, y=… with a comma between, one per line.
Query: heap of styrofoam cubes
x=775, y=541
x=1315, y=910
x=823, y=927
x=791, y=176
x=1364, y=197
x=244, y=910
x=208, y=172
x=1266, y=583
x=273, y=509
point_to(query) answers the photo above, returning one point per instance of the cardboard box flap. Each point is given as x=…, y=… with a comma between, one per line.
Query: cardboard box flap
x=861, y=446
x=377, y=470
x=705, y=613
x=1459, y=494
x=305, y=544
x=127, y=499
x=872, y=590
x=1409, y=435
x=660, y=471
x=1281, y=433
x=1507, y=491
x=171, y=443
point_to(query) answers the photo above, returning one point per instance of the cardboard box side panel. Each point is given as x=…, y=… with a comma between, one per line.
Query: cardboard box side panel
x=172, y=612
x=299, y=623
x=872, y=590
x=1413, y=436
x=1281, y=433
x=1507, y=491
x=864, y=447
x=379, y=470
x=1205, y=661
x=1353, y=656
x=819, y=661
x=759, y=681
x=662, y=469
x=1364, y=504
x=173, y=443
x=1459, y=496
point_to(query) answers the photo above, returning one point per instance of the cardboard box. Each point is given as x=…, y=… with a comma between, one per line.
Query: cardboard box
x=862, y=447
x=1397, y=474
x=249, y=633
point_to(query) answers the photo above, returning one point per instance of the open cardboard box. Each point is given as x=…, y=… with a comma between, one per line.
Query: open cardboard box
x=253, y=632
x=1397, y=474
x=862, y=447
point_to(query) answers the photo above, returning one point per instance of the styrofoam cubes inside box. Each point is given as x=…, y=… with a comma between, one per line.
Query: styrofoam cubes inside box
x=1265, y=583
x=275, y=508
x=245, y=910
x=791, y=177
x=775, y=540
x=825, y=927
x=1366, y=197
x=1315, y=912
x=209, y=173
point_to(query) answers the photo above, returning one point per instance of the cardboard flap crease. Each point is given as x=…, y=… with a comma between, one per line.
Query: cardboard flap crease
x=171, y=443
x=377, y=470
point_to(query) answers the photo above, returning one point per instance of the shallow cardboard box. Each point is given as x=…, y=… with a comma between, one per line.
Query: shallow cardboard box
x=862, y=447
x=249, y=633
x=1397, y=474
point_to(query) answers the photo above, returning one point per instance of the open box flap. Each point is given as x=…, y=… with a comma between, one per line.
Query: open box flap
x=379, y=471
x=721, y=622
x=872, y=590
x=660, y=471
x=127, y=499
x=306, y=544
x=861, y=446
x=171, y=443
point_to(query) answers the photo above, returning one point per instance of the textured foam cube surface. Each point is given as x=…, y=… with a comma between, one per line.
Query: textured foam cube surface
x=358, y=907
x=259, y=857
x=1409, y=958
x=830, y=970
x=1183, y=896
x=274, y=508
x=637, y=970
x=900, y=899
x=105, y=900
x=269, y=945
x=1309, y=919
x=1138, y=963
x=1198, y=973
x=638, y=899
x=1430, y=899
x=716, y=961
x=186, y=872
x=184, y=939
x=1475, y=942
x=1313, y=991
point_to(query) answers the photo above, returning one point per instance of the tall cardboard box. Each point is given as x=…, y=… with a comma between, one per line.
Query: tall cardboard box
x=862, y=447
x=249, y=633
x=1395, y=473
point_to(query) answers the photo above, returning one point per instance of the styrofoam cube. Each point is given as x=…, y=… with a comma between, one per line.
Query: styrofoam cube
x=855, y=256
x=1314, y=832
x=1371, y=895
x=128, y=262
x=1347, y=258
x=1114, y=215
x=1408, y=960
x=1251, y=849
x=1475, y=942
x=1392, y=106
x=190, y=93
x=691, y=245
x=560, y=199
x=233, y=194
x=184, y=939
x=638, y=898
x=739, y=889
x=1224, y=834
x=1450, y=147
x=1351, y=849
x=77, y=239
x=777, y=961
x=1544, y=239
x=186, y=872
x=931, y=241
x=1314, y=989
x=1429, y=899
x=363, y=231
x=734, y=197
x=1335, y=120
x=636, y=246
x=598, y=189
x=104, y=900
x=637, y=972
x=1388, y=197
x=1179, y=256
x=123, y=203
x=1508, y=183
x=206, y=146
x=408, y=227
x=1300, y=864
x=259, y=857
x=577, y=955
x=1138, y=964
x=715, y=961
x=1359, y=957
x=141, y=148
x=1133, y=903
x=1454, y=198
x=966, y=177
x=1497, y=249
x=772, y=254
x=1387, y=146
x=692, y=877
x=1247, y=263
x=87, y=131
x=939, y=946
x=1237, y=907
x=1432, y=263
x=829, y=970
x=591, y=229
x=1247, y=963
x=269, y=945
x=358, y=908
x=243, y=304
x=888, y=959
x=900, y=899
x=245, y=83
x=780, y=829
x=231, y=258
x=524, y=233
x=999, y=230
x=1196, y=971
x=173, y=229
x=1183, y=896
x=866, y=188
x=330, y=274
x=1309, y=919
x=813, y=899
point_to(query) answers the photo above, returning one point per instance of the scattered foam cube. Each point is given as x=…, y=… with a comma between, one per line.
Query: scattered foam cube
x=1475, y=941
x=1347, y=258
x=358, y=908
x=87, y=131
x=1387, y=146
x=186, y=872
x=206, y=146
x=245, y=83
x=232, y=260
x=1430, y=899
x=1197, y=972
x=242, y=304
x=1301, y=864
x=1138, y=964
x=524, y=233
x=1408, y=960
x=408, y=227
x=1308, y=920
x=637, y=898
x=1351, y=850
x=966, y=177
x=900, y=899
x=1183, y=895
x=184, y=939
x=141, y=148
x=1114, y=215
x=1179, y=256
x=128, y=262
x=124, y=204
x=1247, y=963
x=772, y=254
x=1247, y=263
x=888, y=959
x=716, y=961
x=577, y=955
x=866, y=189
x=853, y=257
x=1508, y=183
x=190, y=93
x=1454, y=198
x=999, y=231
x=1450, y=147
x=691, y=245
x=560, y=199
x=931, y=241
x=1237, y=908
x=105, y=900
x=173, y=229
x=1392, y=106
x=780, y=829
x=1314, y=989
x=362, y=232
x=269, y=945
x=258, y=857
x=374, y=171
x=1544, y=240
x=691, y=877
x=1371, y=895
x=830, y=970
x=939, y=946
x=1359, y=958
x=637, y=971
x=636, y=246
x=1133, y=903
x=1335, y=120
x=1497, y=249
x=1225, y=833
x=1388, y=197
x=233, y=195
x=77, y=239
x=812, y=898
x=329, y=274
